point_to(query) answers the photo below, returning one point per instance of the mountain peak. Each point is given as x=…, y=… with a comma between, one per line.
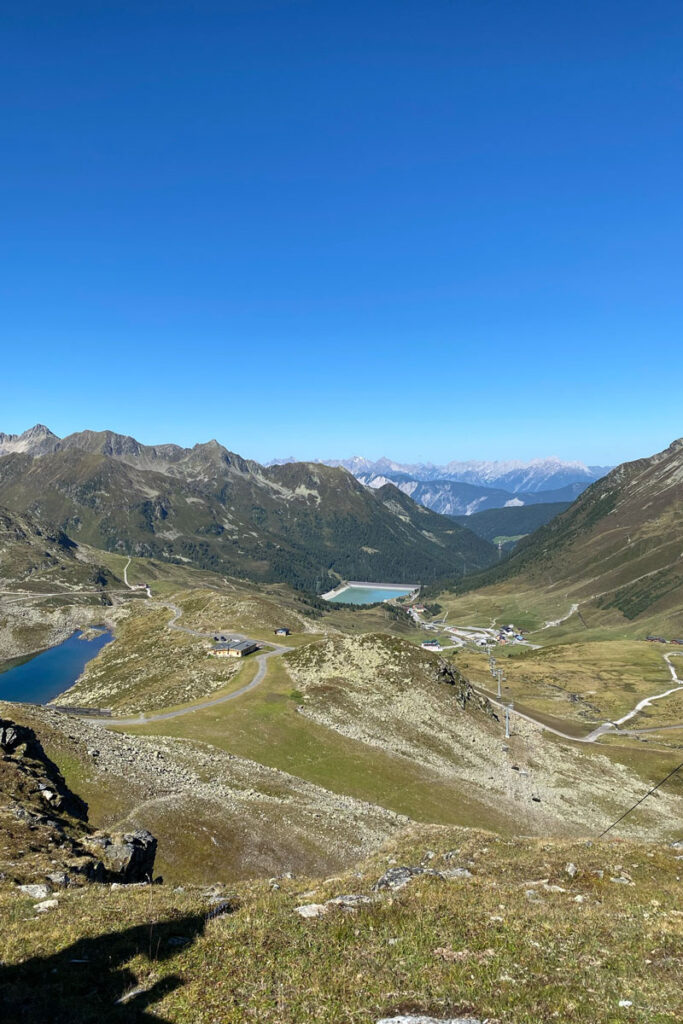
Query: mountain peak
x=36, y=440
x=39, y=430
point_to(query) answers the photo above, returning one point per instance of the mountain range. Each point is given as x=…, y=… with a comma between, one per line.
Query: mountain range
x=454, y=498
x=28, y=548
x=307, y=524
x=513, y=476
x=464, y=488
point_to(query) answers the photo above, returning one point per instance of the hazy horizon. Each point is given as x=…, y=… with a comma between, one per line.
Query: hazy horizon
x=368, y=454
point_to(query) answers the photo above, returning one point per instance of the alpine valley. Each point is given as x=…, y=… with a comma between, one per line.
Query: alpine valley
x=421, y=784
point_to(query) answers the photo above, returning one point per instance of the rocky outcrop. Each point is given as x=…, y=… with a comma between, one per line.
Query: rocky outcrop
x=31, y=778
x=464, y=694
x=125, y=857
x=45, y=837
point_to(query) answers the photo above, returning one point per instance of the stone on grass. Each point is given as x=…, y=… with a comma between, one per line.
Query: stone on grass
x=36, y=892
x=396, y=878
x=218, y=909
x=348, y=902
x=42, y=908
x=59, y=878
x=451, y=873
x=411, y=1019
x=309, y=910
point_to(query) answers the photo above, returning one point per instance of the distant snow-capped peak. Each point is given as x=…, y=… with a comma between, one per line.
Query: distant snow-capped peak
x=512, y=475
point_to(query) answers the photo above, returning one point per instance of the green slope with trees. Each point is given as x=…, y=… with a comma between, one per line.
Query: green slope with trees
x=511, y=521
x=619, y=544
x=304, y=524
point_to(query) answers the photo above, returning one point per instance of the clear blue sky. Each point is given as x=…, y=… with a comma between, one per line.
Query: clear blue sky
x=424, y=228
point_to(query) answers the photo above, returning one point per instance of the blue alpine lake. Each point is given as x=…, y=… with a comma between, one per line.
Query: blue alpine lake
x=43, y=676
x=368, y=595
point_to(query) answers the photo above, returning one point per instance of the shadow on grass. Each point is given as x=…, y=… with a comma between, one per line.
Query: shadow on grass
x=89, y=980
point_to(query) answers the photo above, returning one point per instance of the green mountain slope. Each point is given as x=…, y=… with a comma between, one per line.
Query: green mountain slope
x=36, y=557
x=49, y=585
x=301, y=523
x=619, y=543
x=512, y=521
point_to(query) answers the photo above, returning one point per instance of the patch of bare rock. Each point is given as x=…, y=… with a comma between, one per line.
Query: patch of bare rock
x=46, y=842
x=402, y=1019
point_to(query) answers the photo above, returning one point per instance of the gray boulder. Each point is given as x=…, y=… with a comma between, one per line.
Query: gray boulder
x=125, y=856
x=45, y=905
x=36, y=892
x=456, y=873
x=396, y=878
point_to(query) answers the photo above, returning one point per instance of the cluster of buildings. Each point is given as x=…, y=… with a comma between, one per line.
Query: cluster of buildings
x=509, y=633
x=224, y=647
x=663, y=640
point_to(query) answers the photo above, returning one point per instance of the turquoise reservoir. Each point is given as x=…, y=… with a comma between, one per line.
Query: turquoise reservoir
x=42, y=677
x=369, y=595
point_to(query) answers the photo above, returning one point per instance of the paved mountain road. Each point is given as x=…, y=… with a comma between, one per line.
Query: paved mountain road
x=162, y=716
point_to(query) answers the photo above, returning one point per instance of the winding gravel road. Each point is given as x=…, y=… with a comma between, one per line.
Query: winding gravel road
x=611, y=727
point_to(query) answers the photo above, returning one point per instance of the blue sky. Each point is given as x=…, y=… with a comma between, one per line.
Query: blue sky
x=423, y=228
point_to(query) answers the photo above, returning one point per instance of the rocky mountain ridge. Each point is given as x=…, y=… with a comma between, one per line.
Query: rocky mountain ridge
x=303, y=523
x=512, y=475
x=32, y=550
x=454, y=498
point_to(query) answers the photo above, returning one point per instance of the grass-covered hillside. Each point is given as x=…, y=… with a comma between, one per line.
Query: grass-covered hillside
x=215, y=814
x=614, y=556
x=375, y=718
x=49, y=585
x=38, y=557
x=516, y=931
x=305, y=524
x=345, y=833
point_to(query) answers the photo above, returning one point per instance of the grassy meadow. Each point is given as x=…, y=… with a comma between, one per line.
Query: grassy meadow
x=540, y=932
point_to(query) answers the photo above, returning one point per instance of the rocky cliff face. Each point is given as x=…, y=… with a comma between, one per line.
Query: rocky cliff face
x=45, y=839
